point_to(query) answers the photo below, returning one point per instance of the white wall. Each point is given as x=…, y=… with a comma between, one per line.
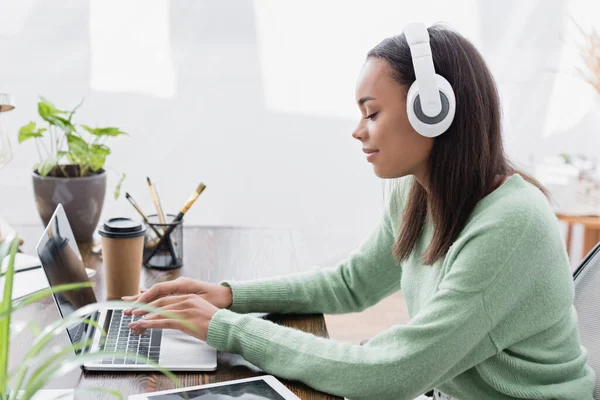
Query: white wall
x=210, y=106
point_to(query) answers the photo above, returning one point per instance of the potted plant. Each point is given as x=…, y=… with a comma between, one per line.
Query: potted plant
x=70, y=168
x=44, y=361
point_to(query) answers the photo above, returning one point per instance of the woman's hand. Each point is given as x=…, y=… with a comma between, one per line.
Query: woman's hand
x=194, y=312
x=218, y=295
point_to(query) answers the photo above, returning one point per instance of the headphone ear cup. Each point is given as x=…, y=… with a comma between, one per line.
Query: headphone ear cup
x=431, y=126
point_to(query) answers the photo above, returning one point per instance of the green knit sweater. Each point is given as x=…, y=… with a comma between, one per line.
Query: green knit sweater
x=494, y=319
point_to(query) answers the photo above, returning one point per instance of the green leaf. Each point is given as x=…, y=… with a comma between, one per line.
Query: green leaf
x=28, y=131
x=109, y=131
x=79, y=149
x=50, y=105
x=61, y=123
x=118, y=187
x=100, y=148
x=98, y=153
x=4, y=341
x=52, y=115
x=6, y=305
x=46, y=107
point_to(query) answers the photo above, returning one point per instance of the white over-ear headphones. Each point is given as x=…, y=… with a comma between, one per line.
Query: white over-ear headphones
x=430, y=103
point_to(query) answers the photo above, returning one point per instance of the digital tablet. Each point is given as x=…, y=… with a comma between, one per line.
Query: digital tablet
x=264, y=387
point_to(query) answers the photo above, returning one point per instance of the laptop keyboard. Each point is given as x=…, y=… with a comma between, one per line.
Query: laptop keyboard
x=120, y=338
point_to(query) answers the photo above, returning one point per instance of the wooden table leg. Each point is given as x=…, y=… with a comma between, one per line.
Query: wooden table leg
x=591, y=236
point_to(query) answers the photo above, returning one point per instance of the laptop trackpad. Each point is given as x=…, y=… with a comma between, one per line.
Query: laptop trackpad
x=179, y=349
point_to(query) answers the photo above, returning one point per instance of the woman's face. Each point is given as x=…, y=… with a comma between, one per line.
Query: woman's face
x=389, y=141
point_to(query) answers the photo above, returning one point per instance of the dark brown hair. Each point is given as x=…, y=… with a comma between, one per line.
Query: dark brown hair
x=466, y=160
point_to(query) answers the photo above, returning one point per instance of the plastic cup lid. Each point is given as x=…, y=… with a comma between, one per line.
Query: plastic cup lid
x=122, y=228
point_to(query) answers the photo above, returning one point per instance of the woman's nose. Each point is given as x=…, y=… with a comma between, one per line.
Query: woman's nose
x=359, y=133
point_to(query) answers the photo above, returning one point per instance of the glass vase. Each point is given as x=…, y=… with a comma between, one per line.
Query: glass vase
x=5, y=147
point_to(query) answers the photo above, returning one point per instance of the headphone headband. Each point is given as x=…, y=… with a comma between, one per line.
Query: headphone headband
x=417, y=38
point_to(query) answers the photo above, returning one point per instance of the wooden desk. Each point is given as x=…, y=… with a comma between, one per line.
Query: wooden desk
x=211, y=254
x=591, y=231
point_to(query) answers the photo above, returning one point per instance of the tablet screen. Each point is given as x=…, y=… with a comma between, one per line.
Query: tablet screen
x=254, y=390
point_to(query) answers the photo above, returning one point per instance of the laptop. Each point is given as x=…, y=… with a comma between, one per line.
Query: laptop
x=171, y=349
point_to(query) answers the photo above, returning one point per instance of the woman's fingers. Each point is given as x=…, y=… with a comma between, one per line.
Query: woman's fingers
x=161, y=323
x=179, y=286
x=133, y=298
x=158, y=291
x=160, y=303
x=172, y=312
x=155, y=292
x=192, y=314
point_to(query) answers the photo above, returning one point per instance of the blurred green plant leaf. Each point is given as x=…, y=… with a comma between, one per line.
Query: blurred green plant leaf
x=118, y=187
x=52, y=115
x=98, y=153
x=29, y=131
x=5, y=306
x=108, y=131
x=79, y=149
x=49, y=107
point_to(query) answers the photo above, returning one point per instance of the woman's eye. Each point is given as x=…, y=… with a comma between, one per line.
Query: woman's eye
x=371, y=116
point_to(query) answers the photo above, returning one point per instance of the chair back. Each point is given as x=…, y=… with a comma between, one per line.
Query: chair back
x=587, y=302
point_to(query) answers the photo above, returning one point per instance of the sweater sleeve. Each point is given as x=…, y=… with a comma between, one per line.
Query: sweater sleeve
x=368, y=275
x=399, y=363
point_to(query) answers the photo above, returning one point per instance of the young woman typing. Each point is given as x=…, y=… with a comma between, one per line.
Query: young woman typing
x=472, y=243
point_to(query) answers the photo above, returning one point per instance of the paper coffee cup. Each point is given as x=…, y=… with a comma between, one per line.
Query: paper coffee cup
x=122, y=250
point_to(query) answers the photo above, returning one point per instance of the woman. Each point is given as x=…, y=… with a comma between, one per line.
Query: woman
x=472, y=243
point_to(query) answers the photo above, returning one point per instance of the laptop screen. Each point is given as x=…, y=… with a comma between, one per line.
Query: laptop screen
x=62, y=264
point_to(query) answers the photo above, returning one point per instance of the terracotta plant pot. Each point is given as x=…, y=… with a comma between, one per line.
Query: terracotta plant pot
x=82, y=198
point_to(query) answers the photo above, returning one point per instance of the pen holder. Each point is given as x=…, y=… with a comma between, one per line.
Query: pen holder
x=170, y=253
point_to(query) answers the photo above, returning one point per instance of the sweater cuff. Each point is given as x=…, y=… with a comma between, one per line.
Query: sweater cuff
x=258, y=296
x=242, y=334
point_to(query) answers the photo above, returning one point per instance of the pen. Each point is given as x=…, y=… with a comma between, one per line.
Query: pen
x=179, y=216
